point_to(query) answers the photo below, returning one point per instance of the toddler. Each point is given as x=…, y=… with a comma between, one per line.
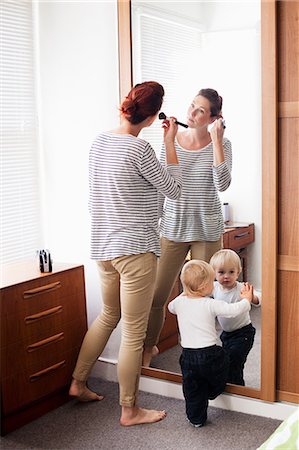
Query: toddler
x=238, y=333
x=204, y=364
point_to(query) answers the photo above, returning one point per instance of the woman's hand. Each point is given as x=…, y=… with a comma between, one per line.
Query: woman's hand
x=170, y=130
x=217, y=131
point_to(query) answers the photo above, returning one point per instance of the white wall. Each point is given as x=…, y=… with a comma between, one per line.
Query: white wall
x=78, y=99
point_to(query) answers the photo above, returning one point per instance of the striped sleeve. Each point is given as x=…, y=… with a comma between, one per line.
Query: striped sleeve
x=161, y=196
x=167, y=180
x=222, y=172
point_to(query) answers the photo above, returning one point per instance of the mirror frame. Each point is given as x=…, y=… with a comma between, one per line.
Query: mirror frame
x=269, y=249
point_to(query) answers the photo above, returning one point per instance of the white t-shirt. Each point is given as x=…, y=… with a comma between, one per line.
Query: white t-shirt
x=231, y=296
x=196, y=318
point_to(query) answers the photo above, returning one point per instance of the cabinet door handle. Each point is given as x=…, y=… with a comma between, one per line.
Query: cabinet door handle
x=239, y=236
x=49, y=340
x=41, y=373
x=42, y=289
x=43, y=314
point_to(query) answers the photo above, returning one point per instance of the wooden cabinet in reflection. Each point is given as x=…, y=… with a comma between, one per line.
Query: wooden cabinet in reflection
x=238, y=238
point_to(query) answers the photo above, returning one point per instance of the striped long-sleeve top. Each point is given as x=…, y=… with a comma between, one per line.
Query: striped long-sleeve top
x=197, y=215
x=124, y=180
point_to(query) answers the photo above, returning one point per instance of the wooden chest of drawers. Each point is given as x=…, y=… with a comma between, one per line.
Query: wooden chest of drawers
x=43, y=322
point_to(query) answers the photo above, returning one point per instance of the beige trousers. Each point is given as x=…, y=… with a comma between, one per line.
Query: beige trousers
x=173, y=256
x=127, y=288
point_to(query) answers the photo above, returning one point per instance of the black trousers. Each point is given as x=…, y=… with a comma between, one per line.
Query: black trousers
x=204, y=374
x=238, y=344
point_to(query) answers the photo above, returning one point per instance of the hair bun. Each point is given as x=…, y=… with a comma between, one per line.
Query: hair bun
x=128, y=106
x=144, y=100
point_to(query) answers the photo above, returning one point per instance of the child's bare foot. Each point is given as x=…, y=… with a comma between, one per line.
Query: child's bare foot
x=148, y=354
x=136, y=416
x=79, y=390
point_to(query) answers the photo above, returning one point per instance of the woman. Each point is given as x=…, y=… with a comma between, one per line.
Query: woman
x=194, y=222
x=125, y=178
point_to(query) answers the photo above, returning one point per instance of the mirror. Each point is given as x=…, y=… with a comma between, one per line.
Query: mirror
x=244, y=70
x=212, y=44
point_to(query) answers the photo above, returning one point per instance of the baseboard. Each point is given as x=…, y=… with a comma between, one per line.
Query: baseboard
x=276, y=410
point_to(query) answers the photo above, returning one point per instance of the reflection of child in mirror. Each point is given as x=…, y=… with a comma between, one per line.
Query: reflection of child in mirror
x=238, y=333
x=204, y=364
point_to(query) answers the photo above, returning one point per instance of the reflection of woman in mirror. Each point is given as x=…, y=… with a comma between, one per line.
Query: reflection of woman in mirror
x=125, y=178
x=238, y=333
x=194, y=222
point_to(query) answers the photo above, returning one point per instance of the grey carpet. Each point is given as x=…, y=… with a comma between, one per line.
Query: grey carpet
x=169, y=359
x=95, y=425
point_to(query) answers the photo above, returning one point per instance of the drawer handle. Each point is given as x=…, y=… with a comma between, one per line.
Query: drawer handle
x=42, y=289
x=41, y=373
x=43, y=314
x=239, y=236
x=49, y=340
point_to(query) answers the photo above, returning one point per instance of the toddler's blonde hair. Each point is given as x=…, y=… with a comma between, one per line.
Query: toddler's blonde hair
x=196, y=276
x=226, y=258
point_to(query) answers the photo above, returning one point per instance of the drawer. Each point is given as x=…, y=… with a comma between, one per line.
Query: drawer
x=41, y=293
x=239, y=237
x=41, y=354
x=50, y=318
x=18, y=390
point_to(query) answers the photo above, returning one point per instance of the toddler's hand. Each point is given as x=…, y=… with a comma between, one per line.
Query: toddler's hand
x=247, y=292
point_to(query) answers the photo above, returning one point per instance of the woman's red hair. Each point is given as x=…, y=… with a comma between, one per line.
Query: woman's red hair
x=143, y=100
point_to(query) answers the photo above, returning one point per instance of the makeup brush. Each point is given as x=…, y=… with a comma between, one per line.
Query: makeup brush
x=162, y=116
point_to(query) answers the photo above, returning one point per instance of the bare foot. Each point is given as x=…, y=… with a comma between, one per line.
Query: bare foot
x=137, y=416
x=80, y=391
x=148, y=354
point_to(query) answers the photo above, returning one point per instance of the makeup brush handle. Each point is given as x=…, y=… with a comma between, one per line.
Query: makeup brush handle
x=182, y=124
